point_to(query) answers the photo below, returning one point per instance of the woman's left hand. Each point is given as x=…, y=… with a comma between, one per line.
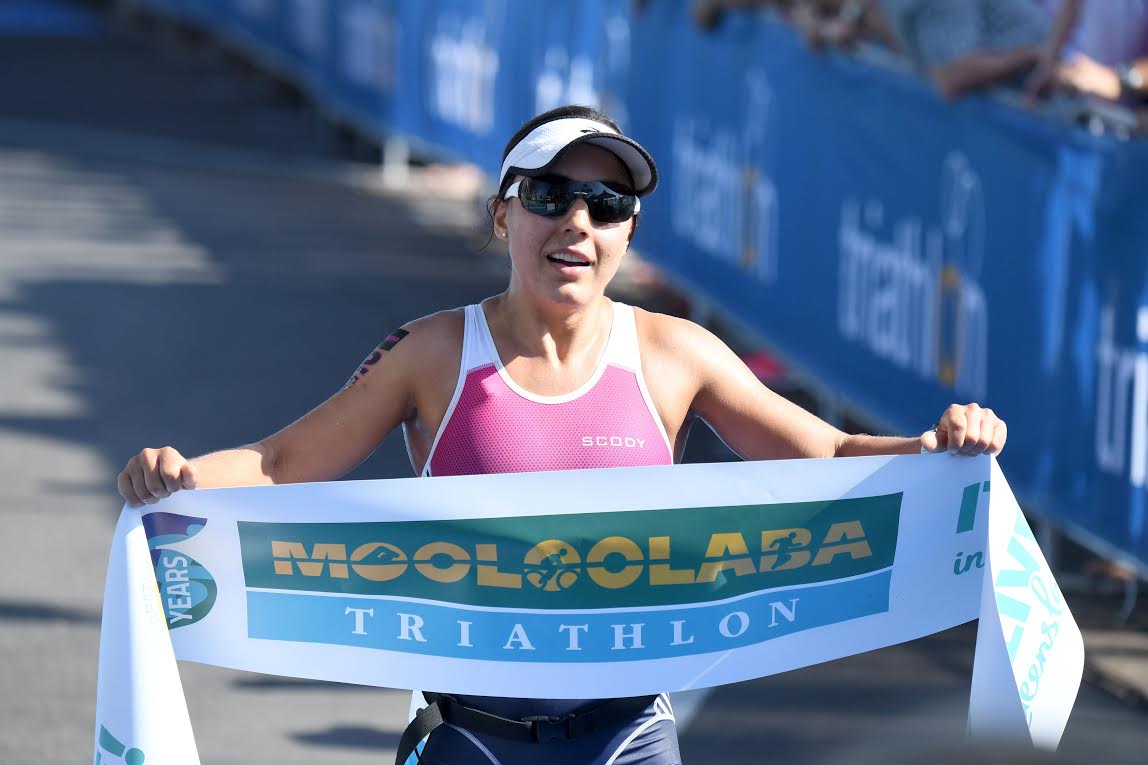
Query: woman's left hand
x=967, y=429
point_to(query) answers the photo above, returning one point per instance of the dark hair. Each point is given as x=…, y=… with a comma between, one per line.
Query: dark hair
x=559, y=112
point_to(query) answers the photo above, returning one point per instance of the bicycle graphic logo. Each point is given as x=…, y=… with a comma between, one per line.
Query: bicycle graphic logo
x=552, y=565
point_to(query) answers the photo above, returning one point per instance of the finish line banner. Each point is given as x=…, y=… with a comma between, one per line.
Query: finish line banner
x=582, y=584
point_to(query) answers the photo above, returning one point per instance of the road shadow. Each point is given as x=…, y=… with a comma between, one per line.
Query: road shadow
x=16, y=612
x=350, y=737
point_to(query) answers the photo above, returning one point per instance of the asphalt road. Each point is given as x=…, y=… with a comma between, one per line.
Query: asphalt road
x=181, y=261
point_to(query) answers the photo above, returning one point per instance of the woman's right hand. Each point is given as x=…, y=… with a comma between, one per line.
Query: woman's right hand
x=154, y=474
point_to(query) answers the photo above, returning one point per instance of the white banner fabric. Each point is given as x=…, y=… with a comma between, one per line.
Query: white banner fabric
x=582, y=584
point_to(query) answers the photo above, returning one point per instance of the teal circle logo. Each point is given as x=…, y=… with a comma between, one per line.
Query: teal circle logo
x=186, y=589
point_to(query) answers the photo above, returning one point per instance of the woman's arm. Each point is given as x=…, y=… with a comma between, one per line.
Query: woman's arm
x=322, y=445
x=968, y=429
x=691, y=373
x=757, y=423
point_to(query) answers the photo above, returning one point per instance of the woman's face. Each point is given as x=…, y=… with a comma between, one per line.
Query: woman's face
x=568, y=259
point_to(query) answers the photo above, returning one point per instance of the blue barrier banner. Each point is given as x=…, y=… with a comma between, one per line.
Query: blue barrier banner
x=903, y=251
x=47, y=18
x=473, y=72
x=1093, y=278
x=361, y=70
x=909, y=253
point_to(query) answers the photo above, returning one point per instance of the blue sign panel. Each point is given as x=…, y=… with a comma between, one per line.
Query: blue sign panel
x=905, y=251
x=910, y=253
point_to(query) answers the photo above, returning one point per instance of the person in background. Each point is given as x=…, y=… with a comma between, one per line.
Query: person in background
x=1099, y=49
x=962, y=46
x=708, y=13
x=841, y=24
x=821, y=22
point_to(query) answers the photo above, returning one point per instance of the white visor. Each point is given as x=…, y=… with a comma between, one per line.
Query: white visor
x=545, y=144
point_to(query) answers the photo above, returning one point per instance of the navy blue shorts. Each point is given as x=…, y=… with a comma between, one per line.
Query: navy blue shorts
x=648, y=739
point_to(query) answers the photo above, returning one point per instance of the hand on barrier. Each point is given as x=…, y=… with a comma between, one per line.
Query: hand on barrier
x=154, y=474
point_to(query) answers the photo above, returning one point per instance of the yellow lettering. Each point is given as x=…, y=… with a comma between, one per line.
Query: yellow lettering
x=309, y=565
x=458, y=569
x=609, y=546
x=661, y=573
x=489, y=575
x=721, y=545
x=392, y=561
x=841, y=532
x=781, y=549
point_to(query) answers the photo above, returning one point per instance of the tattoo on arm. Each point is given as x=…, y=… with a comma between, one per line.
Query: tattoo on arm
x=391, y=341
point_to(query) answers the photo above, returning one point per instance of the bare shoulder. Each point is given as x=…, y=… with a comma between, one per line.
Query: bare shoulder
x=679, y=358
x=432, y=345
x=438, y=327
x=659, y=333
x=426, y=346
x=674, y=346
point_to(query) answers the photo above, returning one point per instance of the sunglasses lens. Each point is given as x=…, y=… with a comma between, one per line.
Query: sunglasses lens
x=610, y=206
x=542, y=196
x=552, y=196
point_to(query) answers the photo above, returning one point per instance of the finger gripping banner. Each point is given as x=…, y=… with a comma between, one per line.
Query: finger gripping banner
x=582, y=584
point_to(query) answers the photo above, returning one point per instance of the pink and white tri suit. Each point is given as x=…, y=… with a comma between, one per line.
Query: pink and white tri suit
x=493, y=425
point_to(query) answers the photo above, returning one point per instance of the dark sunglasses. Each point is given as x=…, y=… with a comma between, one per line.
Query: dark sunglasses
x=552, y=195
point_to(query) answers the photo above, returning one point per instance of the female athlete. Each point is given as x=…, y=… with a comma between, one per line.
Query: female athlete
x=548, y=375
